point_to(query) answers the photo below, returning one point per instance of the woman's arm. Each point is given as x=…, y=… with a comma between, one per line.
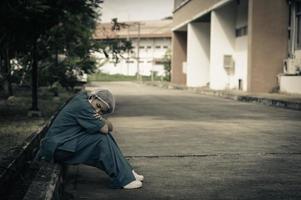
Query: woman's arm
x=108, y=127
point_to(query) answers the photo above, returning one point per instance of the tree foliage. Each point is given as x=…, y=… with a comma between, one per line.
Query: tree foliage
x=166, y=60
x=114, y=48
x=49, y=37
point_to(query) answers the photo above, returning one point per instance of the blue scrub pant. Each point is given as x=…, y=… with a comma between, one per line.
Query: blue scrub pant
x=101, y=151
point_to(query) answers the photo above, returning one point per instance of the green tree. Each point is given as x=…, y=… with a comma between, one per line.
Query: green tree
x=35, y=30
x=167, y=64
x=71, y=39
x=116, y=47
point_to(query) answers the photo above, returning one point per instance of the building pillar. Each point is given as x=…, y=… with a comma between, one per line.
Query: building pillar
x=268, y=43
x=179, y=49
x=223, y=22
x=198, y=54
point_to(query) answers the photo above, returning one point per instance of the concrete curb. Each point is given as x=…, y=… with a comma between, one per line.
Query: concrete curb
x=268, y=101
x=12, y=166
x=22, y=158
x=48, y=183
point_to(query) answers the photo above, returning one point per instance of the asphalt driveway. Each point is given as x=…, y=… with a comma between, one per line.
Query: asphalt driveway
x=190, y=146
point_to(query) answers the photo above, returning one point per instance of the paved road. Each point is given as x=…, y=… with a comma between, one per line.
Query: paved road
x=190, y=146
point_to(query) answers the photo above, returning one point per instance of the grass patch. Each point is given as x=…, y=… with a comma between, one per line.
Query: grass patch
x=15, y=125
x=117, y=77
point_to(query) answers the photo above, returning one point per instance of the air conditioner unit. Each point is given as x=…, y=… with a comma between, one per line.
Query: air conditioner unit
x=229, y=64
x=291, y=66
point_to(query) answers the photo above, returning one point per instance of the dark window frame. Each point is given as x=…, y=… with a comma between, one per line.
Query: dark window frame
x=242, y=31
x=298, y=25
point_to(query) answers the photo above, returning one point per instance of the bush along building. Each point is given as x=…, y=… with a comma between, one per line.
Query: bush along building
x=150, y=41
x=248, y=45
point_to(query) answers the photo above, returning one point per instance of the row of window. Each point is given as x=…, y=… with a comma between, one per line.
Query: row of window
x=141, y=61
x=131, y=61
x=149, y=47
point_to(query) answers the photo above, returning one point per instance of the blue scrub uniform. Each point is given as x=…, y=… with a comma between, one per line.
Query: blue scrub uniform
x=76, y=129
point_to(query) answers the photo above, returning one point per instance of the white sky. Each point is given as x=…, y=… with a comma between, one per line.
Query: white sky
x=136, y=10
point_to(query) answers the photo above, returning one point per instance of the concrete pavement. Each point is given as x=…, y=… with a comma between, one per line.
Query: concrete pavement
x=282, y=100
x=190, y=146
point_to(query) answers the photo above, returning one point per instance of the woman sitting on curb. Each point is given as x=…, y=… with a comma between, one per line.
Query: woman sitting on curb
x=80, y=135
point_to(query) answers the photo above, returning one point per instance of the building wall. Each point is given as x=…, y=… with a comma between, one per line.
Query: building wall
x=191, y=9
x=221, y=40
x=198, y=54
x=241, y=48
x=241, y=63
x=290, y=84
x=222, y=43
x=225, y=41
x=150, y=49
x=258, y=55
x=177, y=3
x=268, y=40
x=179, y=56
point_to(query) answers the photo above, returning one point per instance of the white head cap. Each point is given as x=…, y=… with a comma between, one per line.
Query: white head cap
x=106, y=97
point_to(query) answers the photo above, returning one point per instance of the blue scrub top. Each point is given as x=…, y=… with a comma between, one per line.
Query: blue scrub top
x=76, y=119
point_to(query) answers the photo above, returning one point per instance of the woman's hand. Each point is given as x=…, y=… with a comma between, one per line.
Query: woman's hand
x=108, y=127
x=104, y=129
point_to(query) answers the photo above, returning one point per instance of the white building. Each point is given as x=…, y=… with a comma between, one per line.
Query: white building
x=150, y=39
x=290, y=79
x=237, y=44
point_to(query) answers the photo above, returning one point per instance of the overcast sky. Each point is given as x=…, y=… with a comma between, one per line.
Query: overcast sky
x=136, y=10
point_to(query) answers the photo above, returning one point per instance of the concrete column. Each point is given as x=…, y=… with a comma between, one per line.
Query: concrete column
x=223, y=21
x=268, y=41
x=198, y=54
x=241, y=48
x=179, y=49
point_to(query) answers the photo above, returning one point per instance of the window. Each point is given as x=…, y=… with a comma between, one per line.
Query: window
x=242, y=31
x=165, y=47
x=298, y=25
x=158, y=47
x=149, y=47
x=141, y=47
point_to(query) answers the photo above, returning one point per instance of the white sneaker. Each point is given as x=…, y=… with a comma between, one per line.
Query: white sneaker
x=137, y=176
x=133, y=185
